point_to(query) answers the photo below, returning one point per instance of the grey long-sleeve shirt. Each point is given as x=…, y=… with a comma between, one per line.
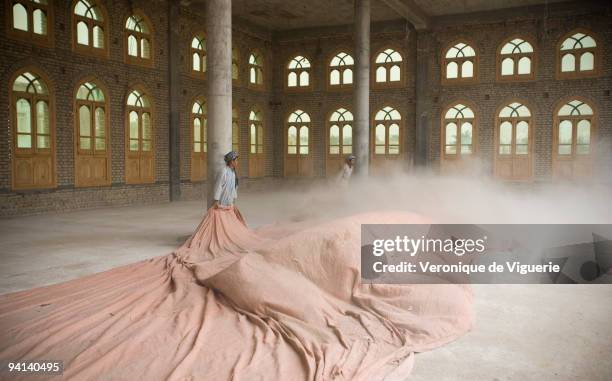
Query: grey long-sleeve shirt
x=225, y=187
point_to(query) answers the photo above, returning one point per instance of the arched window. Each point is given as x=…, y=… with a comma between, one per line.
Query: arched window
x=256, y=69
x=340, y=70
x=388, y=66
x=298, y=133
x=92, y=162
x=256, y=144
x=513, y=142
x=515, y=60
x=198, y=54
x=90, y=34
x=573, y=133
x=387, y=131
x=31, y=20
x=199, y=135
x=139, y=40
x=139, y=143
x=235, y=63
x=298, y=158
x=458, y=131
x=341, y=132
x=33, y=133
x=298, y=73
x=577, y=56
x=459, y=64
x=235, y=130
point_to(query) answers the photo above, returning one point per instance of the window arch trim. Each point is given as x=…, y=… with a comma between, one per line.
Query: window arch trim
x=150, y=36
x=328, y=69
x=298, y=72
x=46, y=40
x=89, y=50
x=517, y=56
x=475, y=125
x=460, y=60
x=597, y=51
x=402, y=67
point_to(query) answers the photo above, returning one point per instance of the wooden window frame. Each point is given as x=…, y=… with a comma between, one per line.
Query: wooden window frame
x=89, y=50
x=342, y=86
x=93, y=151
x=201, y=53
x=557, y=120
x=329, y=123
x=514, y=120
x=236, y=122
x=298, y=72
x=375, y=122
x=258, y=124
x=138, y=60
x=262, y=66
x=443, y=121
x=516, y=57
x=140, y=111
x=402, y=66
x=577, y=74
x=203, y=136
x=32, y=152
x=47, y=40
x=445, y=61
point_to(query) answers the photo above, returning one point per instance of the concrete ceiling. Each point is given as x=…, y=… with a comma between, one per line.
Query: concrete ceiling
x=296, y=14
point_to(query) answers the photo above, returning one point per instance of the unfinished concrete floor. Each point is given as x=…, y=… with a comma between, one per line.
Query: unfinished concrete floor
x=523, y=332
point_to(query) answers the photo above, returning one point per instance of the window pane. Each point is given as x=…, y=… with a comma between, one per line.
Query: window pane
x=524, y=65
x=347, y=135
x=303, y=150
x=82, y=33
x=347, y=149
x=40, y=22
x=394, y=150
x=196, y=146
x=380, y=135
x=466, y=148
x=133, y=125
x=505, y=149
x=334, y=150
x=146, y=126
x=292, y=136
x=467, y=69
x=42, y=118
x=334, y=77
x=568, y=63
x=259, y=76
x=43, y=142
x=253, y=77
x=452, y=70
x=147, y=145
x=132, y=46
x=347, y=76
x=100, y=123
x=522, y=149
x=522, y=133
x=379, y=150
x=587, y=61
x=394, y=73
x=98, y=37
x=197, y=130
x=304, y=136
x=24, y=115
x=466, y=133
x=334, y=135
x=84, y=121
x=260, y=137
x=381, y=74
x=292, y=150
x=133, y=144
x=253, y=135
x=565, y=132
x=505, y=133
x=145, y=48
x=24, y=141
x=507, y=67
x=20, y=17
x=100, y=144
x=304, y=78
x=292, y=79
x=85, y=143
x=394, y=134
x=583, y=132
x=451, y=134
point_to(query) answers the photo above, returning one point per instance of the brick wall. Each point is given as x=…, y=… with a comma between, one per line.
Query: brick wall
x=67, y=69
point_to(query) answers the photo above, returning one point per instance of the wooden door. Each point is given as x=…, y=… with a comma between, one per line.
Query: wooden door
x=339, y=141
x=256, y=153
x=514, y=148
x=572, y=149
x=298, y=156
x=386, y=135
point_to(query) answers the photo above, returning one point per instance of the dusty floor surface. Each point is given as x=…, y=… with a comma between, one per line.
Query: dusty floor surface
x=523, y=332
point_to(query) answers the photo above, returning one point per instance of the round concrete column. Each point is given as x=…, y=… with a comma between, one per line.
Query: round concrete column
x=219, y=90
x=361, y=92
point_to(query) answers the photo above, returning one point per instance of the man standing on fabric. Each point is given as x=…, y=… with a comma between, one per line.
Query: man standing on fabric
x=226, y=185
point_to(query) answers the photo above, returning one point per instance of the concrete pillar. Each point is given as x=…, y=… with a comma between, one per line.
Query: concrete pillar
x=174, y=79
x=219, y=91
x=361, y=87
x=423, y=98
